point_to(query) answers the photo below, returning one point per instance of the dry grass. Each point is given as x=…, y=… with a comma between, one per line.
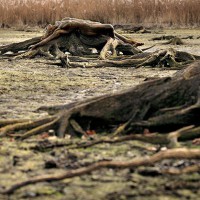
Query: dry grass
x=150, y=13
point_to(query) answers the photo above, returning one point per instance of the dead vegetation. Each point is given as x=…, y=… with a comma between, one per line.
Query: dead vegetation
x=165, y=110
x=151, y=12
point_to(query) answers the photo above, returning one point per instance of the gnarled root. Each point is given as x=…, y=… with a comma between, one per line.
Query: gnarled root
x=55, y=53
x=36, y=126
x=59, y=122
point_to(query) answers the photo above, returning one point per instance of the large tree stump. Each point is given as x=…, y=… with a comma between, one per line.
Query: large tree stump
x=77, y=42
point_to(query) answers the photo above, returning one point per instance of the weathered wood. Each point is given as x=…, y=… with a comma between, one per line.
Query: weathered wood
x=175, y=41
x=20, y=46
x=163, y=105
x=77, y=36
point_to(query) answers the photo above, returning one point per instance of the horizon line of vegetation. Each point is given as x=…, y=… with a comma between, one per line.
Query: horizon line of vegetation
x=167, y=13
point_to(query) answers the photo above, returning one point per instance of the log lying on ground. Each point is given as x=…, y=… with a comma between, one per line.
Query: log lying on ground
x=164, y=37
x=20, y=46
x=169, y=58
x=161, y=105
x=128, y=28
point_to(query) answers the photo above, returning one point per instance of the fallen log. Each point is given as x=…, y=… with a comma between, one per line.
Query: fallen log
x=20, y=46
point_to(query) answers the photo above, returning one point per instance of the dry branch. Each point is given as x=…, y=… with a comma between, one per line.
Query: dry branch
x=182, y=153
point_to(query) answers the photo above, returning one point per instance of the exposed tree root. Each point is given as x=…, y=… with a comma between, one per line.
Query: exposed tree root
x=164, y=37
x=5, y=122
x=175, y=41
x=75, y=41
x=160, y=105
x=178, y=153
x=40, y=124
x=171, y=37
x=196, y=141
x=161, y=58
x=170, y=139
x=15, y=47
x=79, y=44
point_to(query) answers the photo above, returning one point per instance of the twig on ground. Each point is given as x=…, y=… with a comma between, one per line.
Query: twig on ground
x=182, y=153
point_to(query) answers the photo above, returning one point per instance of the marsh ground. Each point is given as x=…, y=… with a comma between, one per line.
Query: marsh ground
x=26, y=85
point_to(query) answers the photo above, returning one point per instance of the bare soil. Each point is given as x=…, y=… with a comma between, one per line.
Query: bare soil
x=26, y=85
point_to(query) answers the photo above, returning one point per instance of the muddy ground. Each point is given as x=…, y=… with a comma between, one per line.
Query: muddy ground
x=26, y=85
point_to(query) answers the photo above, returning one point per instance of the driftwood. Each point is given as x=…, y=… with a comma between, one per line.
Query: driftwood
x=128, y=28
x=165, y=108
x=76, y=45
x=154, y=105
x=164, y=37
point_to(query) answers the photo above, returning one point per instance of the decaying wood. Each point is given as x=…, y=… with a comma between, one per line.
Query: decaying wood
x=185, y=170
x=74, y=36
x=161, y=105
x=168, y=108
x=164, y=37
x=128, y=28
x=170, y=140
x=170, y=37
x=175, y=41
x=79, y=43
x=20, y=46
x=182, y=153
